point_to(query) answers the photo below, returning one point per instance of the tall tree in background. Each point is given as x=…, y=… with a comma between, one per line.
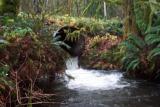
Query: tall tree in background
x=69, y=3
x=139, y=15
x=105, y=9
x=10, y=7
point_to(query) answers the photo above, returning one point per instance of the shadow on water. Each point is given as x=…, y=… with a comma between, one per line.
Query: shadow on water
x=131, y=93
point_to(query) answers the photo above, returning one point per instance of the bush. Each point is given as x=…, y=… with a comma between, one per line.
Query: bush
x=102, y=52
x=26, y=56
x=142, y=55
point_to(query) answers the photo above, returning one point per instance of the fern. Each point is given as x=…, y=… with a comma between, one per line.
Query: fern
x=73, y=36
x=134, y=47
x=59, y=43
x=133, y=64
x=4, y=69
x=137, y=41
x=129, y=57
x=152, y=39
x=153, y=53
x=154, y=29
x=143, y=50
x=158, y=46
x=130, y=47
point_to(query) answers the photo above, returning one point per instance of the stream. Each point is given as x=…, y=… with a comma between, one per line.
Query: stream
x=97, y=88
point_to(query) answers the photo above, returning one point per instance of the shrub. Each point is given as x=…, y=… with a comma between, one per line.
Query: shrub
x=142, y=55
x=25, y=57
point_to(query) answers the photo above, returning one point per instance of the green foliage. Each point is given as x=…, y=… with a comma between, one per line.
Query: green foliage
x=142, y=51
x=102, y=52
x=59, y=43
x=9, y=7
x=131, y=59
x=15, y=27
x=73, y=36
x=4, y=70
x=95, y=8
x=92, y=25
x=3, y=43
x=144, y=11
x=113, y=55
x=87, y=8
x=114, y=2
x=22, y=25
x=17, y=32
x=142, y=54
x=153, y=53
x=153, y=40
x=139, y=50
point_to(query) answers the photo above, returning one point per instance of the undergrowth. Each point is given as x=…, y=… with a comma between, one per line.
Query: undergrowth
x=27, y=54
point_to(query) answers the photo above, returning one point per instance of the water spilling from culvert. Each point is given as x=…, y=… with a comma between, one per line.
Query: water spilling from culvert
x=96, y=88
x=92, y=79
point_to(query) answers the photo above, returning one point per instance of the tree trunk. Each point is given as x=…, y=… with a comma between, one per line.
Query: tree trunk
x=77, y=7
x=9, y=7
x=69, y=7
x=130, y=26
x=105, y=9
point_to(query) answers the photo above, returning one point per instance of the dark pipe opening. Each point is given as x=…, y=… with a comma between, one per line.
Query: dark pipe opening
x=76, y=46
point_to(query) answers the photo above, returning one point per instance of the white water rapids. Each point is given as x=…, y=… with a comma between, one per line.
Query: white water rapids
x=91, y=79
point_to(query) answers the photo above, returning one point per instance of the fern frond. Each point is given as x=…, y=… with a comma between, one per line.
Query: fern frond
x=73, y=36
x=152, y=39
x=130, y=47
x=133, y=64
x=137, y=41
x=56, y=38
x=153, y=53
x=60, y=43
x=154, y=30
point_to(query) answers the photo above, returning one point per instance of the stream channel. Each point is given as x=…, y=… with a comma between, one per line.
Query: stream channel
x=98, y=88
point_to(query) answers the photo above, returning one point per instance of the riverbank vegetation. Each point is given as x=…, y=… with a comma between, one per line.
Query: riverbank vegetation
x=119, y=34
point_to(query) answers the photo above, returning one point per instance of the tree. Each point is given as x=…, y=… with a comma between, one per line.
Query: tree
x=10, y=7
x=130, y=26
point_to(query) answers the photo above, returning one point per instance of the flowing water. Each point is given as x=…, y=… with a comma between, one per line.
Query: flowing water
x=96, y=88
x=92, y=79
